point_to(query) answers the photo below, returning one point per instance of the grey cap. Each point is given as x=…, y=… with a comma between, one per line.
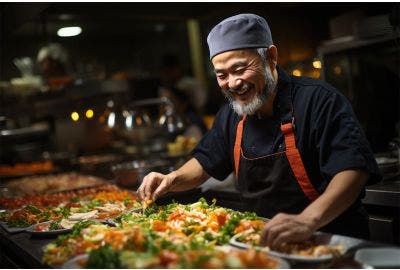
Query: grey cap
x=239, y=32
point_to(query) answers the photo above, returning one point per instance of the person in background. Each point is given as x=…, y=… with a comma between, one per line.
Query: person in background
x=294, y=143
x=53, y=64
x=172, y=76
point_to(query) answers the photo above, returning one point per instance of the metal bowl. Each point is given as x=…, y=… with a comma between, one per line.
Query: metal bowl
x=130, y=174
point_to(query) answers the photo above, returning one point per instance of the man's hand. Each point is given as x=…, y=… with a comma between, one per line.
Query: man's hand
x=341, y=192
x=189, y=176
x=154, y=185
x=285, y=228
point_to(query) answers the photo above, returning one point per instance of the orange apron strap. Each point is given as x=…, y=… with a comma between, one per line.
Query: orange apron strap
x=296, y=163
x=238, y=144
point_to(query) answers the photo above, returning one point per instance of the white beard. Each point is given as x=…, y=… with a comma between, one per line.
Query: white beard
x=255, y=104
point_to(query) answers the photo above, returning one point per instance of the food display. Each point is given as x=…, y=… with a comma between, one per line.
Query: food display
x=99, y=204
x=19, y=169
x=306, y=250
x=170, y=236
x=34, y=185
x=107, y=227
x=53, y=199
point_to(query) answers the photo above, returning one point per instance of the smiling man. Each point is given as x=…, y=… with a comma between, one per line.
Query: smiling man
x=298, y=152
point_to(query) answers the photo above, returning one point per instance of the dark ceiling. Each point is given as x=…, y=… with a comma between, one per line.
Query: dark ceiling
x=27, y=19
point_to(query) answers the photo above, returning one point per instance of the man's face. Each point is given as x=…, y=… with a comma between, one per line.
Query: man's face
x=244, y=79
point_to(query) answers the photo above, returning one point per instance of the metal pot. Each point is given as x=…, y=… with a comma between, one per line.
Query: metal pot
x=131, y=174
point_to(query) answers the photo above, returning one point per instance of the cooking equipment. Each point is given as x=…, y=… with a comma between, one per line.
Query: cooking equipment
x=23, y=144
x=143, y=134
x=130, y=174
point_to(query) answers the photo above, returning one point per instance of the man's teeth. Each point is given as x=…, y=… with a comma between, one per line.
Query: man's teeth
x=241, y=92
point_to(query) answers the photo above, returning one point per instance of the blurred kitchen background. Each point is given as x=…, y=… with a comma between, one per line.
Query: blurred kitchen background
x=110, y=88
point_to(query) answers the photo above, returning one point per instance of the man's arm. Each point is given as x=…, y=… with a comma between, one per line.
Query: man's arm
x=190, y=175
x=341, y=192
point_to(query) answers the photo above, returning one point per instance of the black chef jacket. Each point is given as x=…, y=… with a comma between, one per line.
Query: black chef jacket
x=328, y=135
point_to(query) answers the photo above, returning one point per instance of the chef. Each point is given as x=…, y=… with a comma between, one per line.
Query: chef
x=298, y=152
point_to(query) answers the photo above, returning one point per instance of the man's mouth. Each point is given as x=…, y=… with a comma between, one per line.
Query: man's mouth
x=240, y=92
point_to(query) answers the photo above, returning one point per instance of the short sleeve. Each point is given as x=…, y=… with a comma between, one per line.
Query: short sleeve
x=213, y=151
x=339, y=138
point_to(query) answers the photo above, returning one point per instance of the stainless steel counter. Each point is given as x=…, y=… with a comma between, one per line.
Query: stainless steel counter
x=385, y=193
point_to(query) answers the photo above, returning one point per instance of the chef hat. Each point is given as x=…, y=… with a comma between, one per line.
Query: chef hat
x=54, y=51
x=239, y=32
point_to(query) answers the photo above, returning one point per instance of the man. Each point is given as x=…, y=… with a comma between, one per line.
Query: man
x=53, y=61
x=294, y=143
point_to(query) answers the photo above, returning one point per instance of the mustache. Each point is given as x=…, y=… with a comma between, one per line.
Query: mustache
x=244, y=87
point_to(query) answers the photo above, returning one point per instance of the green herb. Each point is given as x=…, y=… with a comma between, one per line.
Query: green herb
x=93, y=203
x=76, y=230
x=54, y=225
x=227, y=231
x=104, y=257
x=19, y=223
x=202, y=258
x=152, y=209
x=208, y=236
x=127, y=202
x=44, y=215
x=74, y=200
x=32, y=209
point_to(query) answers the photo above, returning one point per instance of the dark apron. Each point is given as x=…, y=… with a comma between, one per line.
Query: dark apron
x=279, y=183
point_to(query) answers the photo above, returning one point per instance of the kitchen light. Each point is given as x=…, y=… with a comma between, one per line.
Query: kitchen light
x=75, y=116
x=317, y=64
x=89, y=113
x=69, y=31
x=296, y=72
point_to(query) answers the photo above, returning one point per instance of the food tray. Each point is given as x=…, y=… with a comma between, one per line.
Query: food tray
x=8, y=229
x=319, y=238
x=31, y=230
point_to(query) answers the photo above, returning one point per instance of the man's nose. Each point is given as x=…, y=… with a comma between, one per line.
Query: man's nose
x=234, y=82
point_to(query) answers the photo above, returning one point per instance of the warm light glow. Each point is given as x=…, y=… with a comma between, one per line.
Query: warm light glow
x=89, y=113
x=138, y=121
x=296, y=72
x=75, y=116
x=317, y=64
x=337, y=70
x=69, y=31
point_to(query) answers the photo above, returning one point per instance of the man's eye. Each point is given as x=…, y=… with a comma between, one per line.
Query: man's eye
x=221, y=76
x=239, y=70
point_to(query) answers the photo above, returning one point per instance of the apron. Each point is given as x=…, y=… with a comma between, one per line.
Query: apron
x=279, y=182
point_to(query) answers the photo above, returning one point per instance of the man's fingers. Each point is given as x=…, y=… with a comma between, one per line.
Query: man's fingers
x=283, y=237
x=162, y=188
x=149, y=184
x=274, y=232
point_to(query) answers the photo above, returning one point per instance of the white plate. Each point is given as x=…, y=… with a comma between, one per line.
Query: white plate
x=74, y=262
x=282, y=264
x=319, y=238
x=378, y=257
x=34, y=232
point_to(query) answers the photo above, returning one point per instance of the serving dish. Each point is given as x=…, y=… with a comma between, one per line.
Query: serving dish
x=43, y=229
x=79, y=262
x=340, y=243
x=382, y=257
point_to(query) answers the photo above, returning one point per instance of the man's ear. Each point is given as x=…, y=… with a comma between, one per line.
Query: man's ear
x=272, y=57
